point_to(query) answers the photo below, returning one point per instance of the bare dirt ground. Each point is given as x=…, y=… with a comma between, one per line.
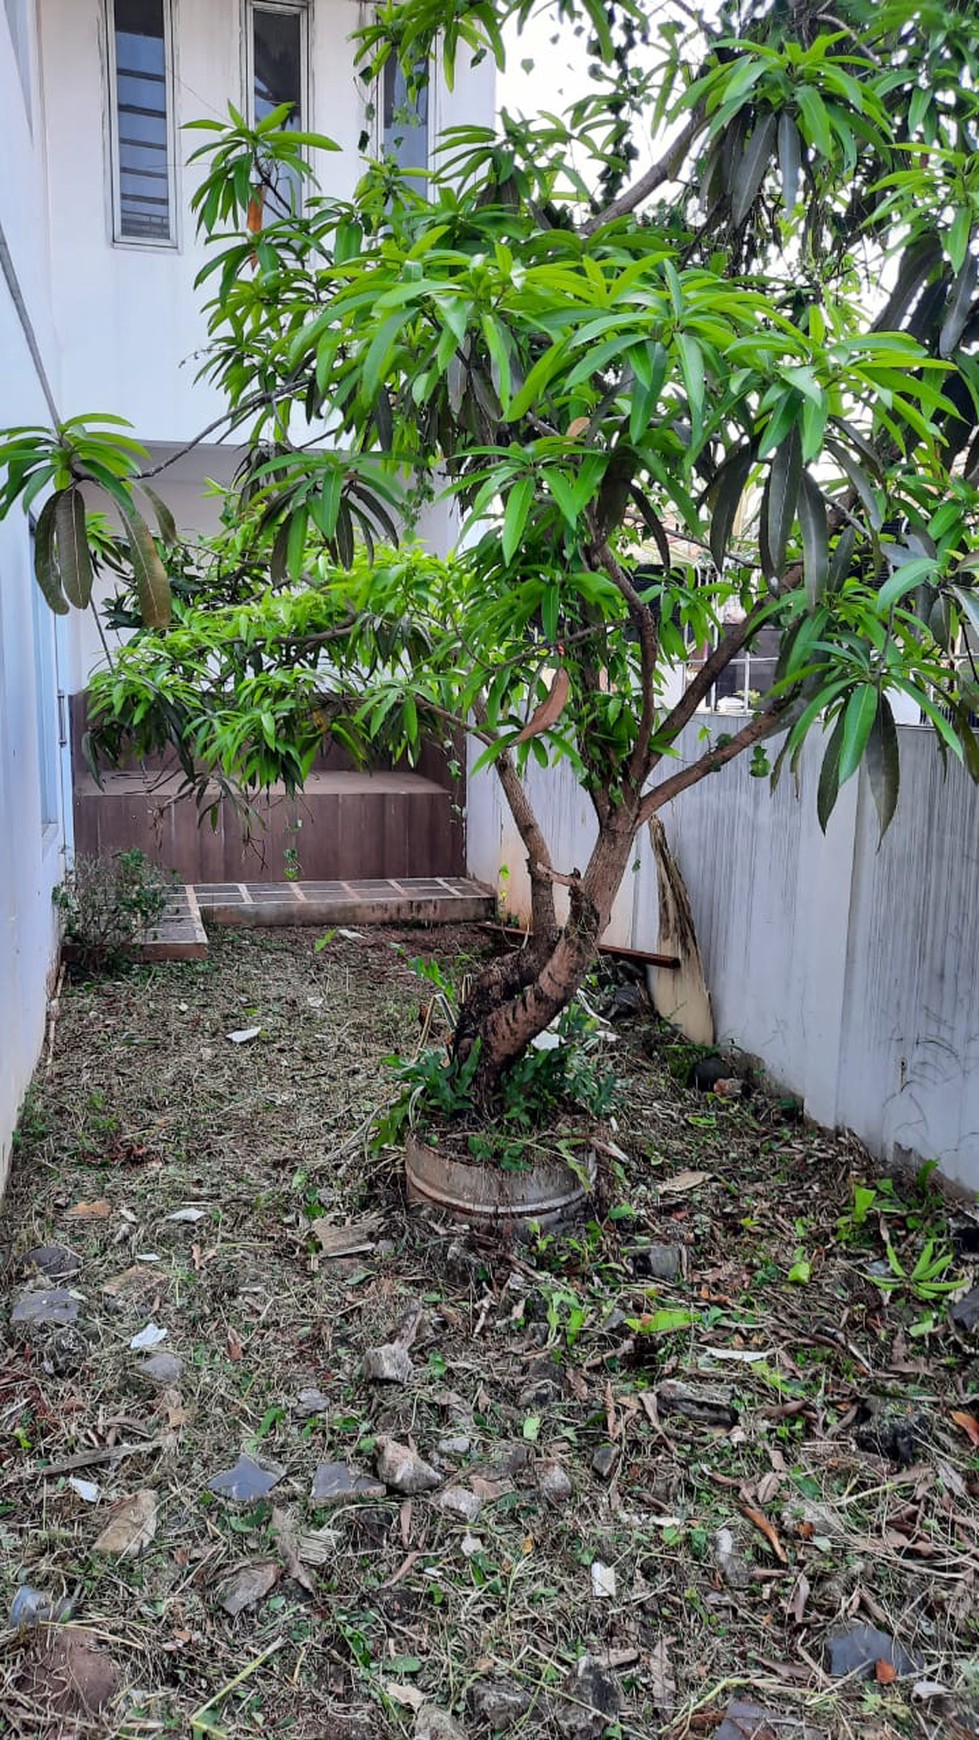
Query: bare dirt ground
x=686, y=1449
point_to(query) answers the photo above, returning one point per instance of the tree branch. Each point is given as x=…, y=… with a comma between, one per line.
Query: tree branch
x=757, y=728
x=662, y=171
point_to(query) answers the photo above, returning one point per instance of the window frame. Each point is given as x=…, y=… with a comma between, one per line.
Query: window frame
x=433, y=119
x=298, y=9
x=171, y=242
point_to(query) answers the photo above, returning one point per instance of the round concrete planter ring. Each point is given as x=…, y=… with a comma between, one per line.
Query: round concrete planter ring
x=549, y=1193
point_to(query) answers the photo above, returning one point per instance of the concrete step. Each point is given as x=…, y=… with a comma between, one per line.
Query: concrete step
x=180, y=933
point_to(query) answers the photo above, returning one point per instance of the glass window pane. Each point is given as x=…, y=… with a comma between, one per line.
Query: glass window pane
x=405, y=121
x=141, y=119
x=278, y=63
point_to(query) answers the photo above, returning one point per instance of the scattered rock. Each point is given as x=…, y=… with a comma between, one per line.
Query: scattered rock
x=162, y=1369
x=730, y=1560
x=857, y=1649
x=356, y=1239
x=744, y=1721
x=458, y=1501
x=250, y=1586
x=390, y=1364
x=710, y=1404
x=456, y=1446
x=68, y=1675
x=246, y=1481
x=43, y=1306
x=965, y=1312
x=604, y=1586
x=545, y=1385
x=431, y=1723
x=498, y=1704
x=588, y=1702
x=308, y=1404
x=130, y=1528
x=510, y=1457
x=403, y=1469
x=470, y=1545
x=54, y=1262
x=87, y=1490
x=413, y=1325
x=33, y=1607
x=605, y=1461
x=897, y=1434
x=337, y=1483
x=657, y=1262
x=554, y=1482
x=65, y=1351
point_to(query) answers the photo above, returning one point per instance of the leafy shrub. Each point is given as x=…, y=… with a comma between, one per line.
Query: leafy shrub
x=109, y=905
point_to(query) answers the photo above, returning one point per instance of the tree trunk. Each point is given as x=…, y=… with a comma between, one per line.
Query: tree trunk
x=515, y=999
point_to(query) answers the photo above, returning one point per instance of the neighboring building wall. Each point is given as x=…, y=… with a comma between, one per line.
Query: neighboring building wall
x=31, y=796
x=852, y=972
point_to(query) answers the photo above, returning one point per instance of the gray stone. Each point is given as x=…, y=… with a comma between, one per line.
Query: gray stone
x=554, y=1482
x=658, y=1262
x=709, y=1403
x=456, y=1446
x=857, y=1649
x=246, y=1481
x=403, y=1470
x=746, y=1721
x=43, y=1306
x=163, y=1369
x=588, y=1702
x=431, y=1723
x=54, y=1262
x=605, y=1461
x=965, y=1312
x=545, y=1385
x=64, y=1352
x=458, y=1501
x=498, y=1704
x=510, y=1457
x=730, y=1560
x=336, y=1483
x=390, y=1364
x=308, y=1404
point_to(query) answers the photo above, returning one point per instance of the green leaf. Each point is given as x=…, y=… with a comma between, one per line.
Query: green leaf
x=828, y=788
x=726, y=492
x=71, y=543
x=692, y=369
x=782, y=492
x=790, y=160
x=45, y=562
x=815, y=120
x=858, y=718
x=959, y=306
x=751, y=169
x=883, y=764
x=515, y=517
x=149, y=574
x=815, y=538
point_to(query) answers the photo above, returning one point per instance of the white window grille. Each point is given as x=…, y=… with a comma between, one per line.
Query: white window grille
x=141, y=85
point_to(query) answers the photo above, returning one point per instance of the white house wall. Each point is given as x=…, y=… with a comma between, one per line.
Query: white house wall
x=31, y=859
x=852, y=972
x=128, y=316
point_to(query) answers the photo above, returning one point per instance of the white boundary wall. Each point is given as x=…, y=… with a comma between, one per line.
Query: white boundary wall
x=31, y=842
x=852, y=972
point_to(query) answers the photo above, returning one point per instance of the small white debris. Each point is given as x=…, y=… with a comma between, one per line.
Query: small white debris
x=188, y=1214
x=151, y=1336
x=242, y=1035
x=470, y=1545
x=603, y=1584
x=351, y=935
x=86, y=1489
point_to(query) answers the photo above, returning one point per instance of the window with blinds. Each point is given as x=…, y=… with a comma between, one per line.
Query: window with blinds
x=142, y=120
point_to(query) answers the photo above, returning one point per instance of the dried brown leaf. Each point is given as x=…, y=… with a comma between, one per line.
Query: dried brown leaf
x=765, y=1528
